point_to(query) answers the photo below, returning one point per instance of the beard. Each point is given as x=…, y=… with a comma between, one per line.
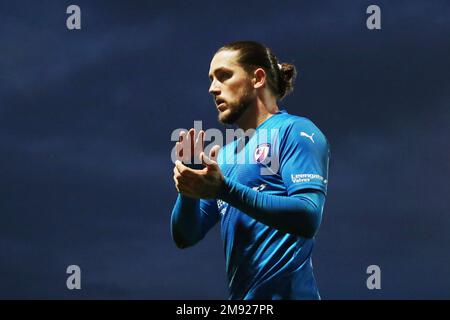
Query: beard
x=237, y=109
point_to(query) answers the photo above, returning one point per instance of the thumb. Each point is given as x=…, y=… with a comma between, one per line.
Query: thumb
x=207, y=161
x=214, y=152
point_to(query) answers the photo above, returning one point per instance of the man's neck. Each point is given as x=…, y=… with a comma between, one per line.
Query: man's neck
x=257, y=114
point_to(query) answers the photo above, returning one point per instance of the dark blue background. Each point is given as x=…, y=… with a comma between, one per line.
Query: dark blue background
x=86, y=118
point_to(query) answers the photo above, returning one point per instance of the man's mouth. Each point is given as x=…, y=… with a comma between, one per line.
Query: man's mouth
x=221, y=104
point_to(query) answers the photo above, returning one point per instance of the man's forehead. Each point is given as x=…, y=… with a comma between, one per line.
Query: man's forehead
x=223, y=59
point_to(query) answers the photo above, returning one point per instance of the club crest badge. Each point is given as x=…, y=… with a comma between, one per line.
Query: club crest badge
x=261, y=152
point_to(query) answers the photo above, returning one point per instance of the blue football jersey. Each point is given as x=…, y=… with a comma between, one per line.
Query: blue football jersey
x=284, y=155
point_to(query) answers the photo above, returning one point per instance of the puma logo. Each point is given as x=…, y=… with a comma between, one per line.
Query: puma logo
x=303, y=134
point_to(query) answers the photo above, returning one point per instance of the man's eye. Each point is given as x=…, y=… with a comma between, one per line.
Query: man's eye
x=224, y=76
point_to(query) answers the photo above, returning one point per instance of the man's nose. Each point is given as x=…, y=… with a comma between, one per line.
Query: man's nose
x=214, y=89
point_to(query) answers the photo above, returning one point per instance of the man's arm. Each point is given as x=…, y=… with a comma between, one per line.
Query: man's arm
x=191, y=219
x=299, y=214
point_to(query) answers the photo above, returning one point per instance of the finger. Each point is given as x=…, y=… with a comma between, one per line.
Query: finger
x=184, y=170
x=184, y=154
x=180, y=166
x=181, y=183
x=183, y=188
x=199, y=141
x=199, y=146
x=181, y=135
x=176, y=173
x=179, y=151
x=202, y=140
x=214, y=152
x=191, y=137
x=189, y=145
x=176, y=178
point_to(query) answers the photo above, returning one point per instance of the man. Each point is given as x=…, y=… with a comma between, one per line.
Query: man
x=268, y=221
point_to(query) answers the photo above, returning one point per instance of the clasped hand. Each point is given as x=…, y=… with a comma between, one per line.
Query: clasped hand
x=205, y=183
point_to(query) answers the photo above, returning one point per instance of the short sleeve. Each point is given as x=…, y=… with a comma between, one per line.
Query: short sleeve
x=304, y=157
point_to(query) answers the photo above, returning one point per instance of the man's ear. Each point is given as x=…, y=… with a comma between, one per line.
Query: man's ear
x=259, y=79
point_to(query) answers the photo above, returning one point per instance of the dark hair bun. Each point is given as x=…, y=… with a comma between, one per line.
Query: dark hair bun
x=288, y=74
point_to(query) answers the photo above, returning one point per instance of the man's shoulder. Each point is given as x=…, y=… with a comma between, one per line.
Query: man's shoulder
x=288, y=122
x=297, y=128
